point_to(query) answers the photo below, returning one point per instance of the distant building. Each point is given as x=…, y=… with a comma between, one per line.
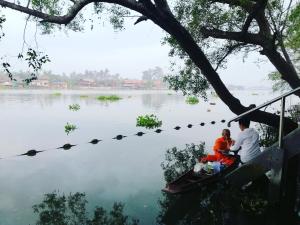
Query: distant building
x=43, y=83
x=57, y=84
x=6, y=84
x=87, y=83
x=133, y=84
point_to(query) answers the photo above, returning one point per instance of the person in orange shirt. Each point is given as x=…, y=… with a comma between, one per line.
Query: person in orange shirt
x=222, y=145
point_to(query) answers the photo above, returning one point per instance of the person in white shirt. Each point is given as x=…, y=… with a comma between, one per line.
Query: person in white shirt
x=248, y=140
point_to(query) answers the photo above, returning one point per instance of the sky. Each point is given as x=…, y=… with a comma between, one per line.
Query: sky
x=128, y=52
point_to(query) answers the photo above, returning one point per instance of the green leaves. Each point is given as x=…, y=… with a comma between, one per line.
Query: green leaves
x=192, y=100
x=109, y=98
x=189, y=80
x=70, y=128
x=59, y=209
x=74, y=107
x=294, y=29
x=148, y=121
x=178, y=161
x=34, y=59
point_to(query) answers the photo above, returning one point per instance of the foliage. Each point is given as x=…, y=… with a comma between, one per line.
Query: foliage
x=34, y=59
x=178, y=161
x=56, y=94
x=148, y=121
x=268, y=135
x=278, y=85
x=74, y=107
x=59, y=209
x=108, y=98
x=192, y=100
x=188, y=80
x=217, y=203
x=70, y=128
x=293, y=40
x=83, y=96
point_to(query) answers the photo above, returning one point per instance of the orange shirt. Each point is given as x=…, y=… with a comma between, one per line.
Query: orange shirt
x=221, y=144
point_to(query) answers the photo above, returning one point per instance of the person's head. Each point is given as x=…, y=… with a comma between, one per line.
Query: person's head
x=226, y=133
x=244, y=123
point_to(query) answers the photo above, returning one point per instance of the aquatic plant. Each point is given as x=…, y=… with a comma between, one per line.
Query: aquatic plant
x=108, y=98
x=74, y=107
x=192, y=100
x=148, y=121
x=72, y=209
x=83, y=96
x=56, y=94
x=70, y=128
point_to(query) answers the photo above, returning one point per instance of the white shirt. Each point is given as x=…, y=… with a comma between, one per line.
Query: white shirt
x=248, y=139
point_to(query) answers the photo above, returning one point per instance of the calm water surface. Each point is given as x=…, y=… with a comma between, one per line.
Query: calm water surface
x=125, y=171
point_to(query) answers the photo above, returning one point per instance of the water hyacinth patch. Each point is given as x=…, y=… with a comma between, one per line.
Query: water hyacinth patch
x=148, y=121
x=192, y=100
x=70, y=128
x=108, y=98
x=56, y=94
x=74, y=107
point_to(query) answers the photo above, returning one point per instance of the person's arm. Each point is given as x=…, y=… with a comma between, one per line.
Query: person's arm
x=217, y=146
x=238, y=143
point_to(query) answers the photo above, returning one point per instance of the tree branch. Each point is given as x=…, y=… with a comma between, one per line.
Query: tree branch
x=235, y=36
x=229, y=51
x=73, y=11
x=258, y=7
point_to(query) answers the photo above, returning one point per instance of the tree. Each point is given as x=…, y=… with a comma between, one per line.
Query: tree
x=59, y=209
x=192, y=27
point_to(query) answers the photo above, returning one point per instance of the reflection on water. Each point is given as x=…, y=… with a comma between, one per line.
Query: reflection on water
x=126, y=170
x=59, y=209
x=215, y=204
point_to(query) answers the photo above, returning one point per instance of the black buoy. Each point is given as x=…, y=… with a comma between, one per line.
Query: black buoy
x=177, y=128
x=190, y=125
x=202, y=124
x=223, y=121
x=31, y=152
x=158, y=131
x=140, y=133
x=95, y=141
x=119, y=137
x=212, y=122
x=66, y=146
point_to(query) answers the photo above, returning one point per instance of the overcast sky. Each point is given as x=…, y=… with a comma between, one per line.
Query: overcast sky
x=128, y=52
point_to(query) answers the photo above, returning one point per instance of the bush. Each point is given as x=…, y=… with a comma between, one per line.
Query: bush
x=74, y=107
x=108, y=98
x=148, y=121
x=192, y=100
x=70, y=128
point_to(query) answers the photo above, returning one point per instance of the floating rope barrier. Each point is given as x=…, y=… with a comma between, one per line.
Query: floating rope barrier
x=68, y=146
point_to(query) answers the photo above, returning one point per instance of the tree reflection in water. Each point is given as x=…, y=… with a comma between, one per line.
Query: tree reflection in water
x=216, y=204
x=71, y=210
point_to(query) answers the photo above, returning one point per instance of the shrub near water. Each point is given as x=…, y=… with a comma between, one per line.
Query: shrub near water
x=69, y=128
x=148, y=121
x=192, y=100
x=108, y=98
x=74, y=107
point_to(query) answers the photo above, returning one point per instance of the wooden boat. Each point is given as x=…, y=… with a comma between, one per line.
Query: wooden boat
x=191, y=181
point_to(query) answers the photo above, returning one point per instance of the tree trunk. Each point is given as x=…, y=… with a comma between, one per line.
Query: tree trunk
x=183, y=37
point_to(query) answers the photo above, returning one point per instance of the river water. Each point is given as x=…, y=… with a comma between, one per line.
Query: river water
x=126, y=170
